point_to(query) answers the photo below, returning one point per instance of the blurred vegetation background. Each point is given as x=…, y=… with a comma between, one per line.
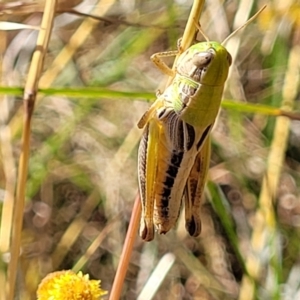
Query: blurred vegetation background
x=83, y=165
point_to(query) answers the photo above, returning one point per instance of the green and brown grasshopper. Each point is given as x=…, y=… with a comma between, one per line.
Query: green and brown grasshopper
x=174, y=151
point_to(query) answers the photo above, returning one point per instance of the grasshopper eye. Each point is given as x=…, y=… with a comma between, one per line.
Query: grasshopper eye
x=202, y=59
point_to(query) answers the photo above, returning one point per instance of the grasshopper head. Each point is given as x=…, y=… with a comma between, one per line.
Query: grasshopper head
x=206, y=63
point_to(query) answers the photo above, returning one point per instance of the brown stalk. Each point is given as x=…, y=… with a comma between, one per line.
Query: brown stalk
x=116, y=290
x=29, y=97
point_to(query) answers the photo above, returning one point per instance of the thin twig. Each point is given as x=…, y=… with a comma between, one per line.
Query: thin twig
x=116, y=289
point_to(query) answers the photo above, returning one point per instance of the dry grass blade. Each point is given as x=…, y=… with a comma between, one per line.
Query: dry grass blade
x=66, y=54
x=30, y=92
x=74, y=230
x=204, y=277
x=157, y=277
x=265, y=222
x=16, y=26
x=94, y=245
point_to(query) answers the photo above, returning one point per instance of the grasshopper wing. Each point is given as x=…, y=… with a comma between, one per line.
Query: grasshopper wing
x=166, y=155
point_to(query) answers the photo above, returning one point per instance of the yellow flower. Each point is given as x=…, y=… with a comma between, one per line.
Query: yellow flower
x=67, y=285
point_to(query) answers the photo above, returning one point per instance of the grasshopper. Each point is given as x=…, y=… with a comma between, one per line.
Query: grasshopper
x=174, y=152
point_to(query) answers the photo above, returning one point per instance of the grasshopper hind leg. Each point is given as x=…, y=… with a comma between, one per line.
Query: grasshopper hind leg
x=193, y=201
x=195, y=189
x=147, y=169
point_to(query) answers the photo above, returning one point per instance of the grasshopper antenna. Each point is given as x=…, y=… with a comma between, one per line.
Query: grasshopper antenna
x=201, y=31
x=241, y=27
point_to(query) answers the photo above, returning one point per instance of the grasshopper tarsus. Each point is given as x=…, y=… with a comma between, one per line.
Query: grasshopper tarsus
x=193, y=227
x=146, y=231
